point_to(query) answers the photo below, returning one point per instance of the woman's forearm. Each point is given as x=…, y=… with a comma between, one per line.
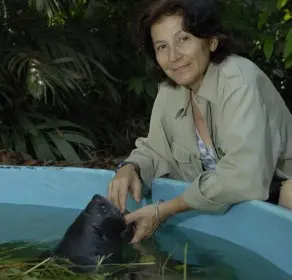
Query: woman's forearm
x=173, y=207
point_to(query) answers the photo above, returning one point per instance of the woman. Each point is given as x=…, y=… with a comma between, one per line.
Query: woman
x=217, y=121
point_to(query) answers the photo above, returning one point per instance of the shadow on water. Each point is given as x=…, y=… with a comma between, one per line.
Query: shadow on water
x=161, y=257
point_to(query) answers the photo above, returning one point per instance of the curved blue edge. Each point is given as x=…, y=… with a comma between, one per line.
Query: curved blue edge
x=260, y=227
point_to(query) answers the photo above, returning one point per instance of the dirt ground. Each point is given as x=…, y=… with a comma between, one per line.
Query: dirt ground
x=99, y=160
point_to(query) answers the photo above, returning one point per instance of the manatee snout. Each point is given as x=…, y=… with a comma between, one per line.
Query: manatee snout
x=99, y=231
x=128, y=233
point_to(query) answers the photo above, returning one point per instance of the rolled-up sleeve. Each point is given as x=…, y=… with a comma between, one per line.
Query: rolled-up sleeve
x=152, y=152
x=251, y=151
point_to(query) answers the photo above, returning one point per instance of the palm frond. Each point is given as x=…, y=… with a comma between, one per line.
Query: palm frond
x=54, y=60
x=45, y=137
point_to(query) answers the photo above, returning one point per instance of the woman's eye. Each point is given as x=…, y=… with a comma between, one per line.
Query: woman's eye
x=184, y=38
x=161, y=47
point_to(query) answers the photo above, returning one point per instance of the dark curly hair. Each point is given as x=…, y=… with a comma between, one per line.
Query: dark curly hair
x=200, y=18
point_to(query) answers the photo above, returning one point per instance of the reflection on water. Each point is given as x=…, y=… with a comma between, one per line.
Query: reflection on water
x=220, y=258
x=161, y=257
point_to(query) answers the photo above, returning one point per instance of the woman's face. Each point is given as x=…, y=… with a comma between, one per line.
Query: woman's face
x=183, y=57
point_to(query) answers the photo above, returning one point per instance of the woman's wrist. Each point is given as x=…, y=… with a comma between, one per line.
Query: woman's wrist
x=172, y=207
x=126, y=164
x=132, y=166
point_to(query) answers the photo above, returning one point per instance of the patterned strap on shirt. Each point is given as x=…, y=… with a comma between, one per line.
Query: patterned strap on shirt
x=207, y=154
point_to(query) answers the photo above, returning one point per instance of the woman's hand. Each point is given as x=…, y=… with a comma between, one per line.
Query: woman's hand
x=126, y=180
x=146, y=220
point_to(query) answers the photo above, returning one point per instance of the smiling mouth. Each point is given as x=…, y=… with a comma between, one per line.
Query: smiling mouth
x=180, y=68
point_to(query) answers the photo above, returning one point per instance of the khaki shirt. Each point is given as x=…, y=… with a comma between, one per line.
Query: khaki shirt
x=249, y=124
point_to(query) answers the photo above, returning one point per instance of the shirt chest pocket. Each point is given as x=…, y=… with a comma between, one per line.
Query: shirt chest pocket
x=187, y=162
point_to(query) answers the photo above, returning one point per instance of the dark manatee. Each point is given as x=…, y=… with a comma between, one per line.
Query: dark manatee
x=99, y=231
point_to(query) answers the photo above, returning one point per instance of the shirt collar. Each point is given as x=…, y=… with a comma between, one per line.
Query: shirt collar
x=207, y=90
x=185, y=103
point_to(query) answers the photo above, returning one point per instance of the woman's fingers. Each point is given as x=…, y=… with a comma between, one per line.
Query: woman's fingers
x=123, y=193
x=145, y=221
x=132, y=217
x=118, y=188
x=140, y=234
x=114, y=192
x=136, y=189
x=109, y=190
x=118, y=192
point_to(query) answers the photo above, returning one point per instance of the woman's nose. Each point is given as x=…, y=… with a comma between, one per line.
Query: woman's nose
x=173, y=54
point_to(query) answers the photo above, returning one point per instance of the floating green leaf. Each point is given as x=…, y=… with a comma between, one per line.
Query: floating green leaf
x=147, y=259
x=179, y=267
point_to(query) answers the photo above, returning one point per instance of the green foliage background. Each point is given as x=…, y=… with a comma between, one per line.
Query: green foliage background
x=73, y=83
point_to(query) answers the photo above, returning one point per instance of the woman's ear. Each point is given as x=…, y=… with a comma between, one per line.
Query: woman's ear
x=213, y=42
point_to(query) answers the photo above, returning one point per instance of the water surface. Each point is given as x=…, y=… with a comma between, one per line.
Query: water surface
x=207, y=257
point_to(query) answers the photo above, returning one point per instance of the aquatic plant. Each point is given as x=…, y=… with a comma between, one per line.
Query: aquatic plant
x=19, y=261
x=52, y=269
